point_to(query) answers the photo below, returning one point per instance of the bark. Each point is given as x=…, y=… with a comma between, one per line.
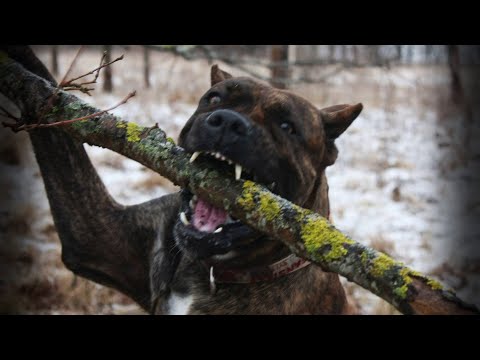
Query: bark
x=307, y=234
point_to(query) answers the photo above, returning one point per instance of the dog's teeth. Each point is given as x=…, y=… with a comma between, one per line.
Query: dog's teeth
x=218, y=155
x=222, y=158
x=195, y=198
x=183, y=218
x=238, y=171
x=192, y=204
x=194, y=156
x=230, y=162
x=218, y=230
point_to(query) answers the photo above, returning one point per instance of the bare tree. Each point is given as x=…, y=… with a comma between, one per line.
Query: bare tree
x=146, y=66
x=457, y=92
x=279, y=59
x=107, y=74
x=54, y=58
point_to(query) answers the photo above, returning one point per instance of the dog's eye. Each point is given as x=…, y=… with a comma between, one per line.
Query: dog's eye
x=214, y=100
x=287, y=127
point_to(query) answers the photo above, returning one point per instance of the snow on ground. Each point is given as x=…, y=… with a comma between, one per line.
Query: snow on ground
x=395, y=186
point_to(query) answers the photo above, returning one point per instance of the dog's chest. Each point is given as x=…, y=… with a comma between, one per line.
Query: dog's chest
x=179, y=304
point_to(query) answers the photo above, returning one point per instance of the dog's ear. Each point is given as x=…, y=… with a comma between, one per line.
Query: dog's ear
x=337, y=118
x=217, y=75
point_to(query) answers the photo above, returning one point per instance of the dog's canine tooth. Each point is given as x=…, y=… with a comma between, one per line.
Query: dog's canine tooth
x=218, y=230
x=183, y=219
x=218, y=155
x=195, y=198
x=230, y=162
x=191, y=203
x=194, y=156
x=238, y=171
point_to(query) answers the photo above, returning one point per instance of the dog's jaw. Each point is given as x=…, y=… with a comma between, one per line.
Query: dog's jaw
x=199, y=244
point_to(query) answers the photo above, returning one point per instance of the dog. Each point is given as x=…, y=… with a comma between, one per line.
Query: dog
x=210, y=263
x=178, y=254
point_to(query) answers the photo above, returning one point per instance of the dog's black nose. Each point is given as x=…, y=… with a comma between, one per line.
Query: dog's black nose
x=229, y=121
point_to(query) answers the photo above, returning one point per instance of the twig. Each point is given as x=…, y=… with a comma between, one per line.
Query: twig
x=69, y=82
x=104, y=55
x=69, y=85
x=54, y=95
x=80, y=49
x=17, y=128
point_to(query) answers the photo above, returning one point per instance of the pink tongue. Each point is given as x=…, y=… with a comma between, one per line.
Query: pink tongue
x=206, y=217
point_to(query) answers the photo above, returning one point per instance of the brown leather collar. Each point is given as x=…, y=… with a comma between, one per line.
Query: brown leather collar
x=270, y=272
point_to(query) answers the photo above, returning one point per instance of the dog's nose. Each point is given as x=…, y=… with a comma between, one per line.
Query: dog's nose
x=229, y=121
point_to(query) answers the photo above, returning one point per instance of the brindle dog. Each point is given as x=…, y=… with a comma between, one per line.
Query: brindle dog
x=178, y=253
x=280, y=140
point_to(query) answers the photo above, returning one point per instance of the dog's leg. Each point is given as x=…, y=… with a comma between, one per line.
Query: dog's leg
x=101, y=240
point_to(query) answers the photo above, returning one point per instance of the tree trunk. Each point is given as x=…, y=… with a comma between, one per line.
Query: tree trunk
x=306, y=233
x=146, y=66
x=456, y=90
x=457, y=93
x=356, y=59
x=107, y=71
x=54, y=56
x=279, y=61
x=344, y=54
x=399, y=54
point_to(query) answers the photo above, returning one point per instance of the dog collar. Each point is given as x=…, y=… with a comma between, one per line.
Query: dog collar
x=273, y=271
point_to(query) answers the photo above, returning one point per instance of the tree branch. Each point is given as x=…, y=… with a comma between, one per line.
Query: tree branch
x=26, y=127
x=307, y=234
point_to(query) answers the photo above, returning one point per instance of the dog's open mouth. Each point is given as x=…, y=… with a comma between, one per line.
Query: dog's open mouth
x=206, y=230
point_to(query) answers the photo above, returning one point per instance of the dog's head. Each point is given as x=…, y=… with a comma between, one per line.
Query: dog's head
x=267, y=135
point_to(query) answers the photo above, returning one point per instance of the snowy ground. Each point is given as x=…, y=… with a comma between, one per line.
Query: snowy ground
x=397, y=185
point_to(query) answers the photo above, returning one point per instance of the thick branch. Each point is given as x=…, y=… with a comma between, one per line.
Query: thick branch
x=306, y=233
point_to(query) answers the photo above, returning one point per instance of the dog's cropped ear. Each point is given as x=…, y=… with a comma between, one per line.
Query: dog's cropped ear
x=337, y=118
x=217, y=75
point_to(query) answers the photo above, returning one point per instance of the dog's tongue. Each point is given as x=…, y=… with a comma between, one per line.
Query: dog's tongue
x=206, y=217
